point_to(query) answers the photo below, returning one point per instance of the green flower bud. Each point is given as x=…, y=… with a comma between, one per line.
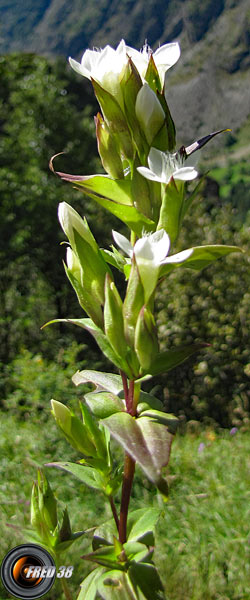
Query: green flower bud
x=149, y=112
x=133, y=303
x=113, y=318
x=107, y=148
x=146, y=342
x=74, y=430
x=83, y=244
x=35, y=517
x=76, y=277
x=46, y=502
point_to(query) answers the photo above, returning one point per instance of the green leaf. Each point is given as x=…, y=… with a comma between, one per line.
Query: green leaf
x=141, y=525
x=104, y=404
x=145, y=579
x=201, y=257
x=114, y=258
x=145, y=440
x=137, y=551
x=148, y=401
x=88, y=475
x=115, y=119
x=170, y=421
x=106, y=556
x=108, y=382
x=115, y=585
x=140, y=528
x=114, y=190
x=89, y=585
x=170, y=359
x=101, y=340
x=115, y=196
x=152, y=76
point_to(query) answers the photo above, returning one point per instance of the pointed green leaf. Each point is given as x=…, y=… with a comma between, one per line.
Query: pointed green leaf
x=115, y=196
x=152, y=76
x=172, y=358
x=147, y=442
x=114, y=258
x=201, y=257
x=115, y=190
x=105, y=556
x=140, y=528
x=104, y=404
x=89, y=584
x=101, y=340
x=108, y=382
x=141, y=525
x=87, y=475
x=145, y=578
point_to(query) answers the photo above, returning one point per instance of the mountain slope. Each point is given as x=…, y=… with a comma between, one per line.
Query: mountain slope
x=208, y=88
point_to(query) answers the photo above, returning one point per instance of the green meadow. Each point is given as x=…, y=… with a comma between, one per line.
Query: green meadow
x=203, y=538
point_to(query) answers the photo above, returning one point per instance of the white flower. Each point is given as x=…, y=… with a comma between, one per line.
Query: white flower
x=150, y=253
x=164, y=57
x=71, y=221
x=104, y=66
x=149, y=112
x=163, y=166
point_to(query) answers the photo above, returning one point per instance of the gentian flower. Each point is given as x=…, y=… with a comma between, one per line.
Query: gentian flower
x=164, y=57
x=104, y=66
x=164, y=165
x=150, y=253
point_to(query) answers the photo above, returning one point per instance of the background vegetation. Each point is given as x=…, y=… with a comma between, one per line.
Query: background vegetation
x=45, y=109
x=202, y=535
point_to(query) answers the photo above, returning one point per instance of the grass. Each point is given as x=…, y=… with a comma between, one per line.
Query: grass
x=203, y=536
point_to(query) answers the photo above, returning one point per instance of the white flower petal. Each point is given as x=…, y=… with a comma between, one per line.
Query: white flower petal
x=156, y=162
x=166, y=56
x=179, y=257
x=90, y=59
x=79, y=68
x=185, y=174
x=148, y=174
x=123, y=243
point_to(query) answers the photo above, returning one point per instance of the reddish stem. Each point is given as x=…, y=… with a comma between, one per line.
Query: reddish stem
x=114, y=512
x=129, y=469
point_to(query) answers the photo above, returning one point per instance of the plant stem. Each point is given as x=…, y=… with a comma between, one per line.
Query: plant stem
x=130, y=407
x=66, y=589
x=114, y=511
x=129, y=469
x=125, y=386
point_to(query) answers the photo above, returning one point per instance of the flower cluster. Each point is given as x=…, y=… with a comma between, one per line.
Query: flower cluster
x=144, y=186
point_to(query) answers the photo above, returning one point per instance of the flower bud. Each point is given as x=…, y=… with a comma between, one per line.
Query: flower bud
x=74, y=430
x=113, y=318
x=83, y=244
x=133, y=303
x=107, y=149
x=149, y=112
x=76, y=277
x=146, y=342
x=46, y=502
